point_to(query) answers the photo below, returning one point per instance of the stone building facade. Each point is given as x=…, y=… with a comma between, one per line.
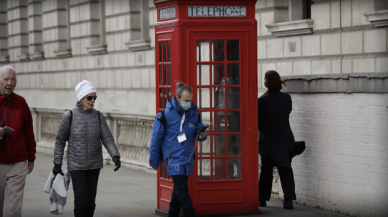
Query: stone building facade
x=333, y=55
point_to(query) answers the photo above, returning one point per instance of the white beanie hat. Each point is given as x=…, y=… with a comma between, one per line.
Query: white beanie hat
x=84, y=88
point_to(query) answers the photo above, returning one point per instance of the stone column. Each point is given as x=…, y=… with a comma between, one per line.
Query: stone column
x=18, y=30
x=4, y=56
x=86, y=26
x=35, y=29
x=56, y=28
x=139, y=15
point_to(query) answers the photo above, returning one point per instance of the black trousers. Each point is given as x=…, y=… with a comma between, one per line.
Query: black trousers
x=85, y=190
x=181, y=198
x=266, y=176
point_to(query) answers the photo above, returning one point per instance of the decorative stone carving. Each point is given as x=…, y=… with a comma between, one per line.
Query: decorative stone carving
x=50, y=125
x=298, y=27
x=377, y=18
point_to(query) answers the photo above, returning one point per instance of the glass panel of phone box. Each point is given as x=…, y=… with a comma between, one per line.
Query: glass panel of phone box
x=164, y=85
x=218, y=99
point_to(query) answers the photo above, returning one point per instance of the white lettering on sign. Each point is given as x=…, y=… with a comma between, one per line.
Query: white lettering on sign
x=167, y=13
x=217, y=11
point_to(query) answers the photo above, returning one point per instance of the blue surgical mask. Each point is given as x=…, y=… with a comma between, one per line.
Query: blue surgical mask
x=185, y=105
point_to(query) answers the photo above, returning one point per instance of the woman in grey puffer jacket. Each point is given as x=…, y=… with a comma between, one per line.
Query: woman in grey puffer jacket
x=84, y=128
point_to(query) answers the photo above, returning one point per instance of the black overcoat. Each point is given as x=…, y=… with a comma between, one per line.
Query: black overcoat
x=276, y=140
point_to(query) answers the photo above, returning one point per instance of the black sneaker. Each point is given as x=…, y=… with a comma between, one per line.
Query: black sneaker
x=262, y=203
x=288, y=204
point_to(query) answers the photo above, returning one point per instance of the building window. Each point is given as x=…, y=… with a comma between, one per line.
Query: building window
x=307, y=9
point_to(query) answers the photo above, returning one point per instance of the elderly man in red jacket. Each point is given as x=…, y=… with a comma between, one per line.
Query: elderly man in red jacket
x=17, y=150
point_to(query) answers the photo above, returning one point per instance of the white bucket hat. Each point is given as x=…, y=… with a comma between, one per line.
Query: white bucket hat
x=84, y=88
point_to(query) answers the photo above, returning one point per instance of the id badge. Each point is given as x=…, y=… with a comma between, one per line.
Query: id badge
x=181, y=138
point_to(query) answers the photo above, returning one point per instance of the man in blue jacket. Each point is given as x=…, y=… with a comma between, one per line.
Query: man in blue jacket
x=176, y=134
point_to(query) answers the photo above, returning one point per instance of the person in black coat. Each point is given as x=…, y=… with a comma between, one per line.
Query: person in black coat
x=276, y=141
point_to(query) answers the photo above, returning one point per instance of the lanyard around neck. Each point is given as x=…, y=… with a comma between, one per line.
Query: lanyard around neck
x=183, y=120
x=5, y=113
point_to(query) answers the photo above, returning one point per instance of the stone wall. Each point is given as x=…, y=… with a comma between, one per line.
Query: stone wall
x=343, y=41
x=132, y=135
x=345, y=166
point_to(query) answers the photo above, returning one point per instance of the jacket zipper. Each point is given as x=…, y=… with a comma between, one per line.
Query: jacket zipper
x=87, y=137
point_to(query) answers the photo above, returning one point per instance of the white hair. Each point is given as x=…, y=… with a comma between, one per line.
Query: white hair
x=6, y=67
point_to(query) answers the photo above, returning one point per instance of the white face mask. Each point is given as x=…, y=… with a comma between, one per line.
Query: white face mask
x=185, y=105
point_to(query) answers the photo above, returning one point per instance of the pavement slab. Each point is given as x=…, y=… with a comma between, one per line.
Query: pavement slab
x=125, y=193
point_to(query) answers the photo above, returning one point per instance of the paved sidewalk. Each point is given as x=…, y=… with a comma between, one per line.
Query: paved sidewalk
x=124, y=193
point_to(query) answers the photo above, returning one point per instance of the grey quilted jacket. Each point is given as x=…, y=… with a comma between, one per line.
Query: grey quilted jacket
x=87, y=131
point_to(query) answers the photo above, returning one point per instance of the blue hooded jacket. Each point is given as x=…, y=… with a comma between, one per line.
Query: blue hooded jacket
x=178, y=157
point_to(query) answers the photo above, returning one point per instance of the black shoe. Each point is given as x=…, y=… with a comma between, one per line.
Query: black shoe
x=262, y=203
x=288, y=204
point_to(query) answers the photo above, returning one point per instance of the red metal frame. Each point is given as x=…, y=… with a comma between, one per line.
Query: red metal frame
x=214, y=196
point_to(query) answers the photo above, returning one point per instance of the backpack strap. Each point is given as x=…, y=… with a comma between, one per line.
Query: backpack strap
x=71, y=117
x=99, y=118
x=162, y=119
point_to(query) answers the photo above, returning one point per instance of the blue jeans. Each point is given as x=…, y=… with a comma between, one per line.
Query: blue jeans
x=180, y=198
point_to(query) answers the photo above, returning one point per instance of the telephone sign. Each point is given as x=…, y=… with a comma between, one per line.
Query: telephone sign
x=217, y=11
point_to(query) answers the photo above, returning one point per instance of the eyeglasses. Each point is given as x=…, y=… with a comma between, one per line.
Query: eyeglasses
x=89, y=98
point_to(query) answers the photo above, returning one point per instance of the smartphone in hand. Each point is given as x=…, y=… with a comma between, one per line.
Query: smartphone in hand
x=8, y=129
x=205, y=128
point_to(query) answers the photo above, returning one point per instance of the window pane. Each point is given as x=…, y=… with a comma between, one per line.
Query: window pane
x=233, y=47
x=218, y=98
x=169, y=94
x=165, y=174
x=204, y=148
x=165, y=96
x=160, y=51
x=168, y=74
x=164, y=75
x=218, y=74
x=233, y=145
x=219, y=169
x=168, y=51
x=203, y=53
x=218, y=145
x=205, y=117
x=164, y=51
x=203, y=98
x=160, y=75
x=234, y=169
x=203, y=74
x=161, y=105
x=233, y=121
x=218, y=124
x=233, y=74
x=218, y=50
x=233, y=97
x=203, y=169
x=161, y=170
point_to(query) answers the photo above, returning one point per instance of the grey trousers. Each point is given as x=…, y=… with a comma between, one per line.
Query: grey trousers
x=12, y=181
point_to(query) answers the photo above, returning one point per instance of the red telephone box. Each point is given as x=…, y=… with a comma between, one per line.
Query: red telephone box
x=211, y=45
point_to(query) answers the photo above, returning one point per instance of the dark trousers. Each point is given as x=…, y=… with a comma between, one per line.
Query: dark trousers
x=266, y=176
x=85, y=190
x=180, y=198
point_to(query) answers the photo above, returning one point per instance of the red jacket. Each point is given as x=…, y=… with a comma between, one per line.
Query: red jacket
x=19, y=145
